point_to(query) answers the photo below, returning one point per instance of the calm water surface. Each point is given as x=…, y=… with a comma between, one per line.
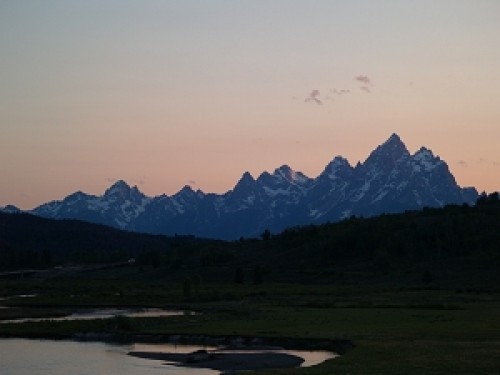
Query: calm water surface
x=103, y=314
x=48, y=357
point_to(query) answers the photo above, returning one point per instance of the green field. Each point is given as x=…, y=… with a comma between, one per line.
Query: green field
x=394, y=330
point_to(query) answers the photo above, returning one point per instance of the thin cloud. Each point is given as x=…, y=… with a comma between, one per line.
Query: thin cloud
x=487, y=161
x=314, y=97
x=192, y=182
x=463, y=163
x=364, y=79
x=340, y=92
x=138, y=181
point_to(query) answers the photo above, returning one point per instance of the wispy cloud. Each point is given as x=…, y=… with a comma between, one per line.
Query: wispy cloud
x=490, y=162
x=192, y=182
x=138, y=180
x=340, y=92
x=364, y=79
x=314, y=97
x=463, y=163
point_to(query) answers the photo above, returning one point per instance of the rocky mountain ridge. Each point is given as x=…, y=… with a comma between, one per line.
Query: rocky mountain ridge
x=390, y=180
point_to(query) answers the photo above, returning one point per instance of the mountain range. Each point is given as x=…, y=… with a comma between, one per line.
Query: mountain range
x=390, y=180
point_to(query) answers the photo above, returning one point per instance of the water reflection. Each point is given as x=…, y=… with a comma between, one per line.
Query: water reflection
x=48, y=357
x=104, y=314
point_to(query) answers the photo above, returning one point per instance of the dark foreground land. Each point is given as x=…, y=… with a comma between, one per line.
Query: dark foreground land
x=416, y=293
x=379, y=329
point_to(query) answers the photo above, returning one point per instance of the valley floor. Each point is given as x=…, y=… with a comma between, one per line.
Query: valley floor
x=393, y=330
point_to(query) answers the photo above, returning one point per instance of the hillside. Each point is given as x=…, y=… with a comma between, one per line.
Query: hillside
x=454, y=243
x=30, y=241
x=440, y=241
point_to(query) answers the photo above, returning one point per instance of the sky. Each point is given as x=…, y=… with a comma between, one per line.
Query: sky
x=164, y=94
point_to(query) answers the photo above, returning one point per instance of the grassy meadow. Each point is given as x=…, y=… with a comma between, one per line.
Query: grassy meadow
x=393, y=330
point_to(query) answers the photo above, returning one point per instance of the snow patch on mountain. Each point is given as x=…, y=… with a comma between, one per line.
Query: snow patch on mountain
x=389, y=180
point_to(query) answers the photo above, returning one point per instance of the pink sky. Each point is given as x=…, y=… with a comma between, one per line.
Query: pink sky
x=164, y=94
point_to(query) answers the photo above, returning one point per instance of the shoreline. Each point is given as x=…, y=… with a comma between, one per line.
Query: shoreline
x=233, y=353
x=339, y=346
x=226, y=361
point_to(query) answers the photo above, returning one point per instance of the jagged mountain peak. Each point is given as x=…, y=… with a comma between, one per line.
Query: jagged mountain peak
x=246, y=178
x=394, y=138
x=392, y=150
x=288, y=174
x=283, y=170
x=394, y=144
x=338, y=161
x=188, y=192
x=423, y=152
x=266, y=179
x=390, y=180
x=247, y=175
x=244, y=183
x=119, y=187
x=10, y=209
x=424, y=158
x=78, y=195
x=338, y=165
x=120, y=190
x=186, y=189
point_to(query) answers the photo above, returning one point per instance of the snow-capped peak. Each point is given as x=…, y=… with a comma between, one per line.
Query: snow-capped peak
x=283, y=171
x=390, y=180
x=393, y=144
x=336, y=166
x=424, y=158
x=119, y=187
x=77, y=196
x=10, y=209
x=246, y=177
x=390, y=151
x=187, y=191
x=245, y=181
x=423, y=153
x=338, y=162
x=287, y=173
x=394, y=138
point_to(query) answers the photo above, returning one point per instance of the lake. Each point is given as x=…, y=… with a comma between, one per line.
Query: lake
x=50, y=357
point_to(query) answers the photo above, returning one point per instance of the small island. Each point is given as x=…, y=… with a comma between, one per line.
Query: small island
x=226, y=361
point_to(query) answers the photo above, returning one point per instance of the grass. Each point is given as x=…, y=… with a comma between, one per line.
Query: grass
x=395, y=330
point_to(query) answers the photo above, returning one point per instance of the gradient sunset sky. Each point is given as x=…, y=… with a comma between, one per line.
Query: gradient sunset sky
x=167, y=93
